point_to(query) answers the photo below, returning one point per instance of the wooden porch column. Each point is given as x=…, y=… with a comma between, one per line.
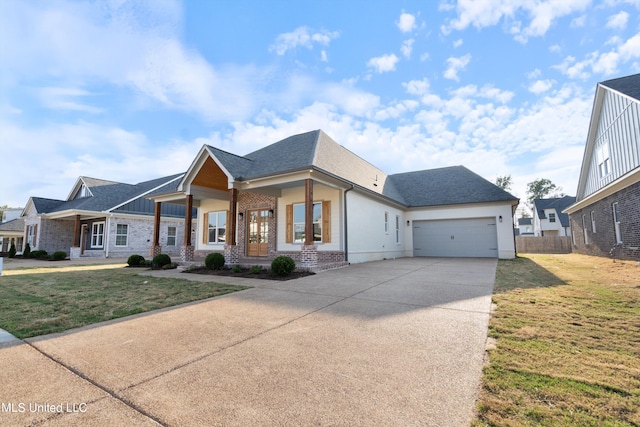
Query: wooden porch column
x=187, y=220
x=156, y=224
x=308, y=211
x=76, y=232
x=231, y=221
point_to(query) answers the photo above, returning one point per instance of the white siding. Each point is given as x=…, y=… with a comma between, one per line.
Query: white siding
x=619, y=127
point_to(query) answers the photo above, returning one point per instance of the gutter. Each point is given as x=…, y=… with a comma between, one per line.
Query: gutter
x=346, y=233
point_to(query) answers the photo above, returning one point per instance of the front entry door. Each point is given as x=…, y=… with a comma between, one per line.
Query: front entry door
x=258, y=244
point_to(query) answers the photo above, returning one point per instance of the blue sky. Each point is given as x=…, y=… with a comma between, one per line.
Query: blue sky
x=129, y=91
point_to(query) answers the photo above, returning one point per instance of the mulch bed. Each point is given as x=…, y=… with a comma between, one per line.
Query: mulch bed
x=244, y=272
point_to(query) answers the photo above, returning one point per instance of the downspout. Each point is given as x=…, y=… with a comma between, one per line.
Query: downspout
x=108, y=233
x=346, y=234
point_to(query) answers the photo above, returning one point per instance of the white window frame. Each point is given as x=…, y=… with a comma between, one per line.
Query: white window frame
x=97, y=238
x=552, y=217
x=616, y=221
x=604, y=160
x=30, y=234
x=120, y=235
x=593, y=221
x=584, y=229
x=300, y=225
x=171, y=236
x=215, y=227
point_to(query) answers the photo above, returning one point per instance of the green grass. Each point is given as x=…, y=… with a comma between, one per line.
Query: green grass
x=38, y=304
x=567, y=331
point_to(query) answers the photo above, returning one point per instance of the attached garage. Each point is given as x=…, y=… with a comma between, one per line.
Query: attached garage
x=472, y=237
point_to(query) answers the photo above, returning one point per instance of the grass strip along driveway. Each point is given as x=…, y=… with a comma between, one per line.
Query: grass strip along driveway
x=567, y=331
x=45, y=301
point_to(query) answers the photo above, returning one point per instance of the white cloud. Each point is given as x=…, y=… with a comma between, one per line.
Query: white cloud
x=540, y=15
x=454, y=65
x=384, y=63
x=618, y=21
x=407, y=47
x=417, y=87
x=406, y=23
x=59, y=98
x=540, y=86
x=301, y=36
x=458, y=43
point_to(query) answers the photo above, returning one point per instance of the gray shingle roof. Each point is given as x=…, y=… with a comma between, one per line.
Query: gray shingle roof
x=629, y=85
x=558, y=203
x=13, y=225
x=447, y=186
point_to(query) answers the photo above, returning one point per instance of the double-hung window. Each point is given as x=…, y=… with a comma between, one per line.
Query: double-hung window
x=171, y=236
x=97, y=235
x=298, y=222
x=122, y=232
x=616, y=222
x=593, y=222
x=216, y=227
x=552, y=217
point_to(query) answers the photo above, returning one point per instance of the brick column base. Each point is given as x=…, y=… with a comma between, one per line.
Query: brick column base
x=231, y=254
x=155, y=250
x=74, y=253
x=309, y=256
x=186, y=253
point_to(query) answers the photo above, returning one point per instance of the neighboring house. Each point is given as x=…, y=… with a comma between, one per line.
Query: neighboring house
x=12, y=232
x=312, y=199
x=548, y=218
x=11, y=213
x=104, y=219
x=606, y=216
x=525, y=226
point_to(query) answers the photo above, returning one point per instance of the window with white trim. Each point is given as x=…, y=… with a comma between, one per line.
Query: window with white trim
x=217, y=227
x=97, y=235
x=171, y=236
x=552, y=217
x=298, y=222
x=584, y=229
x=397, y=228
x=122, y=233
x=604, y=162
x=616, y=222
x=593, y=222
x=31, y=234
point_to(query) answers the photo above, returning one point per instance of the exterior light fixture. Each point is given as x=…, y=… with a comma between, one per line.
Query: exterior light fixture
x=270, y=213
x=240, y=216
x=500, y=218
x=408, y=223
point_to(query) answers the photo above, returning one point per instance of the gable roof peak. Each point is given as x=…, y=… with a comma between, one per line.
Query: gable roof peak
x=627, y=85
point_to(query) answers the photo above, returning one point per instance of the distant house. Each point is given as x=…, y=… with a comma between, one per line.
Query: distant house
x=525, y=226
x=310, y=198
x=11, y=213
x=548, y=216
x=103, y=218
x=12, y=231
x=606, y=216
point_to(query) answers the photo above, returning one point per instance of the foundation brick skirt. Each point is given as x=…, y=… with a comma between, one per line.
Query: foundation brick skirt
x=74, y=253
x=309, y=256
x=186, y=253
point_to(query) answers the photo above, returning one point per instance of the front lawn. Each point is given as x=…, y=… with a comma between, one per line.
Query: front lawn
x=43, y=302
x=567, y=343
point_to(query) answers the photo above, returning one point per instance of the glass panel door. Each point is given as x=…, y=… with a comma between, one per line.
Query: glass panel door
x=258, y=233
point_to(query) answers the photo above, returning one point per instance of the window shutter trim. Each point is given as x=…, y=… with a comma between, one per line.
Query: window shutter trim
x=326, y=221
x=205, y=228
x=289, y=233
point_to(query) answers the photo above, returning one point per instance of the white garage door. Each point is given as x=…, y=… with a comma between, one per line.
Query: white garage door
x=474, y=237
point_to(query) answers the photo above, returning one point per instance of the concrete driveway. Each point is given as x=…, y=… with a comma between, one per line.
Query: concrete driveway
x=398, y=342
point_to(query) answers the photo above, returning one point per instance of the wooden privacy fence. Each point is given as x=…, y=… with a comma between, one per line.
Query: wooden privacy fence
x=543, y=245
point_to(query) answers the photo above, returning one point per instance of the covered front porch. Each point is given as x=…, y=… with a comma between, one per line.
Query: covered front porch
x=251, y=222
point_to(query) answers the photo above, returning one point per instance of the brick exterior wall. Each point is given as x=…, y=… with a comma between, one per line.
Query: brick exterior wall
x=603, y=241
x=248, y=201
x=55, y=235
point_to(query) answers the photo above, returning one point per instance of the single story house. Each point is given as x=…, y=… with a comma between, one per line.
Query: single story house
x=103, y=218
x=12, y=231
x=605, y=218
x=549, y=218
x=312, y=199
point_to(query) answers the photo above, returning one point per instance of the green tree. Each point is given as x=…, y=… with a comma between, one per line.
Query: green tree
x=540, y=189
x=504, y=182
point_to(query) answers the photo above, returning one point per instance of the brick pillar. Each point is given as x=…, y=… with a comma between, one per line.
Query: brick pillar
x=155, y=250
x=186, y=253
x=309, y=256
x=231, y=254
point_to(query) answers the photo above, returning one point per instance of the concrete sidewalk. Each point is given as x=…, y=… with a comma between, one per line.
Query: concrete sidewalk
x=390, y=343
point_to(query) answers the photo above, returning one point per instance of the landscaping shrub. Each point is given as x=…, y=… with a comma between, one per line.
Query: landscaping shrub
x=214, y=261
x=12, y=250
x=236, y=269
x=135, y=260
x=39, y=254
x=255, y=269
x=26, y=253
x=161, y=260
x=59, y=255
x=283, y=265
